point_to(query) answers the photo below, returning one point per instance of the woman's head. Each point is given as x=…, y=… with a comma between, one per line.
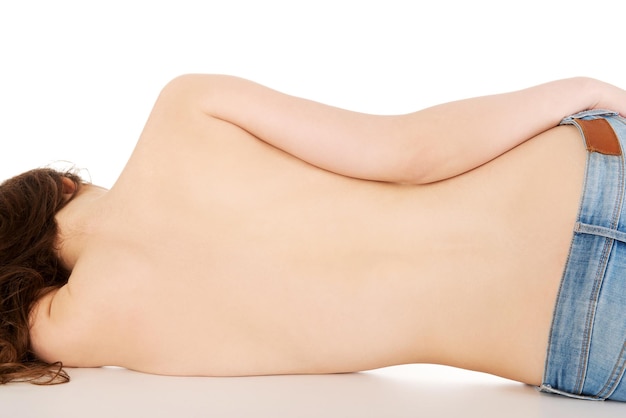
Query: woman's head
x=29, y=266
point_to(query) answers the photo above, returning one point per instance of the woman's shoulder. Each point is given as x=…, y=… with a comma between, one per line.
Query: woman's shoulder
x=67, y=325
x=53, y=335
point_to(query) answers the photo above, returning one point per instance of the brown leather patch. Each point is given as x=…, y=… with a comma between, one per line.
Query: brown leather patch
x=600, y=136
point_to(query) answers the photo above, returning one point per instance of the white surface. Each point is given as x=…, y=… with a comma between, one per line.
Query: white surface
x=406, y=391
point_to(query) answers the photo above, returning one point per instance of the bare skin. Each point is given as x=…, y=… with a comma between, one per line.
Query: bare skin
x=219, y=254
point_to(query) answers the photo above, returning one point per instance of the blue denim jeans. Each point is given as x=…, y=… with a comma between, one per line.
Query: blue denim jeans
x=587, y=348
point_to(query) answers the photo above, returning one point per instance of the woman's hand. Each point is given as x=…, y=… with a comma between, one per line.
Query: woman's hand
x=609, y=97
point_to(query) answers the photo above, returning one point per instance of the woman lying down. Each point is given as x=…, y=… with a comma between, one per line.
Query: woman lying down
x=256, y=233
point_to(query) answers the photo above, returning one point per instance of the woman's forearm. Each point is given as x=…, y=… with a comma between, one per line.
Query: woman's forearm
x=459, y=136
x=421, y=147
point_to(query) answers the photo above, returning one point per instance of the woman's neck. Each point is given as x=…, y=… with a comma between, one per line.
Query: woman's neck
x=77, y=221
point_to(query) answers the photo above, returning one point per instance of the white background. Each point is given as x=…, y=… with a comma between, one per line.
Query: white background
x=78, y=78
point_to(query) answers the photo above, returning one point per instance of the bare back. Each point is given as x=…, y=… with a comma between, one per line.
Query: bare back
x=217, y=254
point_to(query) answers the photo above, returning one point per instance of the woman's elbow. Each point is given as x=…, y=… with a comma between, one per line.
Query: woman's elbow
x=416, y=166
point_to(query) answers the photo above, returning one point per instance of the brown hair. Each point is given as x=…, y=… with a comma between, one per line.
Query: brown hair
x=29, y=268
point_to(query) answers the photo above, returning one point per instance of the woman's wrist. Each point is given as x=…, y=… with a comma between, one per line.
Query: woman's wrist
x=603, y=95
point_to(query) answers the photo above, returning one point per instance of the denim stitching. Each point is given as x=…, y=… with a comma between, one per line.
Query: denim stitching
x=598, y=281
x=583, y=228
x=583, y=361
x=618, y=371
x=616, y=375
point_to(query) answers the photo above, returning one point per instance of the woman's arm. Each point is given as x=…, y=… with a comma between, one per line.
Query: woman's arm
x=421, y=147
